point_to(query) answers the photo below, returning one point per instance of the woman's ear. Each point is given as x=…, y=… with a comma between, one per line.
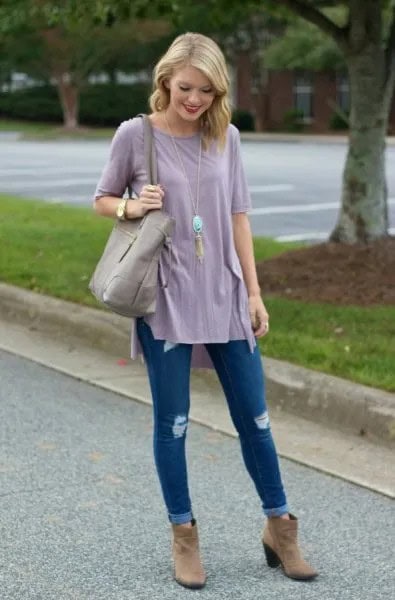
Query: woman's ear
x=166, y=84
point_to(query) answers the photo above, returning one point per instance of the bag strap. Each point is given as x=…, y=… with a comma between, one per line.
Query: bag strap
x=149, y=151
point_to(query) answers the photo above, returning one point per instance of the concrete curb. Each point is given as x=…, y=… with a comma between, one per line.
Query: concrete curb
x=313, y=395
x=297, y=138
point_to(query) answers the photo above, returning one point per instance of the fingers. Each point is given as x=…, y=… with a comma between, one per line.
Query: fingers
x=151, y=197
x=262, y=330
x=150, y=204
x=260, y=323
x=152, y=192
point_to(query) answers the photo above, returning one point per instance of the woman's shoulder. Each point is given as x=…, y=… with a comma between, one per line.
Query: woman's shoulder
x=233, y=133
x=232, y=138
x=128, y=134
x=131, y=126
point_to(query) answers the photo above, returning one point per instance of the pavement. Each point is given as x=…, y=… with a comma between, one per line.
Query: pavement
x=308, y=138
x=327, y=423
x=259, y=136
x=292, y=199
x=82, y=518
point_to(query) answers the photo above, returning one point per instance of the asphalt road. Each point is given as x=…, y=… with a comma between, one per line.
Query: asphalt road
x=81, y=515
x=295, y=187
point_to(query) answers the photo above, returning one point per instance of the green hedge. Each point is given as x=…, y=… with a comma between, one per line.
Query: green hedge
x=293, y=120
x=111, y=104
x=338, y=122
x=243, y=120
x=100, y=104
x=31, y=104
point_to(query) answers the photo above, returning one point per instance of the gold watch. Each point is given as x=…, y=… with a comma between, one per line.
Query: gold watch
x=121, y=209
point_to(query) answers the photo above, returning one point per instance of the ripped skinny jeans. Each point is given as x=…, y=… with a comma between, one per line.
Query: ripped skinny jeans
x=241, y=375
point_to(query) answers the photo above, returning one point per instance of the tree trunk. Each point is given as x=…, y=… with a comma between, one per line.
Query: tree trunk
x=69, y=98
x=363, y=215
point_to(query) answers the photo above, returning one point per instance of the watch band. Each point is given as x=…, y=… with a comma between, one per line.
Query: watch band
x=121, y=209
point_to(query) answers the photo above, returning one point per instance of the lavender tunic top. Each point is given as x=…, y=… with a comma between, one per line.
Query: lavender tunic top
x=204, y=302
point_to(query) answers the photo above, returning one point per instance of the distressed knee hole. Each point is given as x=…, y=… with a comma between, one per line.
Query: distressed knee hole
x=262, y=421
x=169, y=346
x=180, y=425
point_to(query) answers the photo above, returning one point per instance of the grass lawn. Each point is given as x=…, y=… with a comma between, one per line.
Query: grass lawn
x=53, y=249
x=52, y=131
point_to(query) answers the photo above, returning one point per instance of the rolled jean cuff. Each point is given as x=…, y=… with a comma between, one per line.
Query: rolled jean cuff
x=276, y=512
x=180, y=519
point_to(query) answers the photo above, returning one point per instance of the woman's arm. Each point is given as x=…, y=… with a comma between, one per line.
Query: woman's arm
x=106, y=206
x=245, y=251
x=149, y=199
x=118, y=174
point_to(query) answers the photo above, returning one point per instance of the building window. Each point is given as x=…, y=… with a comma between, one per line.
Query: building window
x=343, y=92
x=303, y=95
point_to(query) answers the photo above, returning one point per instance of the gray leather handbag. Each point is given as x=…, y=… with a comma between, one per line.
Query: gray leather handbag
x=126, y=276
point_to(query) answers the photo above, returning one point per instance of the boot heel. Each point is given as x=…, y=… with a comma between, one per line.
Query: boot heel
x=271, y=557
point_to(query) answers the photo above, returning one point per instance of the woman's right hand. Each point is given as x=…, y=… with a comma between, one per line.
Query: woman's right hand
x=151, y=197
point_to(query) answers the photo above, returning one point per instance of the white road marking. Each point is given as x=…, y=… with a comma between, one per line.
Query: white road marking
x=280, y=187
x=44, y=171
x=291, y=208
x=303, y=237
x=294, y=208
x=55, y=183
x=317, y=235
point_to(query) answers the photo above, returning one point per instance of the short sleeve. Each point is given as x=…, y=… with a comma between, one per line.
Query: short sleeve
x=118, y=171
x=241, y=198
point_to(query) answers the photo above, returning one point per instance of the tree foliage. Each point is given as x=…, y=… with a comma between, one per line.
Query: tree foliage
x=359, y=32
x=304, y=46
x=64, y=42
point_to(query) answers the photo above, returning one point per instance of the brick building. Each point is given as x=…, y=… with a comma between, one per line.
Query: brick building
x=314, y=93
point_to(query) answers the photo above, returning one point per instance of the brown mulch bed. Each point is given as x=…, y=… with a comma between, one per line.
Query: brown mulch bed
x=360, y=274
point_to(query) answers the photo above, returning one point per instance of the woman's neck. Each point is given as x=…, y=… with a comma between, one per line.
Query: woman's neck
x=177, y=125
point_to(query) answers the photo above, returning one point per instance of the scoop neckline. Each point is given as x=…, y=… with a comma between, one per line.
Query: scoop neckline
x=177, y=137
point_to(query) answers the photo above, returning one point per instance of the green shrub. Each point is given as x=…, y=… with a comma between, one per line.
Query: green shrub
x=108, y=104
x=101, y=104
x=293, y=120
x=39, y=103
x=243, y=120
x=338, y=122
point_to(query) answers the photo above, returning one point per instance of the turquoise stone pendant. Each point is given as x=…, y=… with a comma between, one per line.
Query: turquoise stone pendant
x=197, y=224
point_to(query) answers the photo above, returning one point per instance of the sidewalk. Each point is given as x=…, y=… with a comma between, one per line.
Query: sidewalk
x=318, y=420
x=300, y=138
x=247, y=136
x=333, y=401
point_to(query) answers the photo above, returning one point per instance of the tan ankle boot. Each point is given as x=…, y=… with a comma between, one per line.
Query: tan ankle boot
x=188, y=569
x=281, y=547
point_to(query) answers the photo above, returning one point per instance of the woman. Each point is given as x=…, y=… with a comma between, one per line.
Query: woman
x=209, y=307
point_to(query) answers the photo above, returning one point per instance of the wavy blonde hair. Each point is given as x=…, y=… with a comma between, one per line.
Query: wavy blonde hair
x=201, y=52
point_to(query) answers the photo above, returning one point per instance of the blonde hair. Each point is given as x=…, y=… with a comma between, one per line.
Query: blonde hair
x=201, y=52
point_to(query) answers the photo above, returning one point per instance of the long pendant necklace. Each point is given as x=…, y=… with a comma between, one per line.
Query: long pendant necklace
x=197, y=221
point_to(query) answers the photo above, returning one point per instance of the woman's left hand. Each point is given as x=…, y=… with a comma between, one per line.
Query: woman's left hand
x=258, y=315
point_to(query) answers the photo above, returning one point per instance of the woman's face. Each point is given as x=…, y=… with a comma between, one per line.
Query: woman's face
x=191, y=93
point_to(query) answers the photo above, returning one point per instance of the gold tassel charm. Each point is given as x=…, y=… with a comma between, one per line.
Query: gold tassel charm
x=199, y=247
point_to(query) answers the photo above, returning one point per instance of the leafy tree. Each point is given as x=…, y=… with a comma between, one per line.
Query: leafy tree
x=304, y=46
x=366, y=40
x=62, y=43
x=364, y=37
x=363, y=32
